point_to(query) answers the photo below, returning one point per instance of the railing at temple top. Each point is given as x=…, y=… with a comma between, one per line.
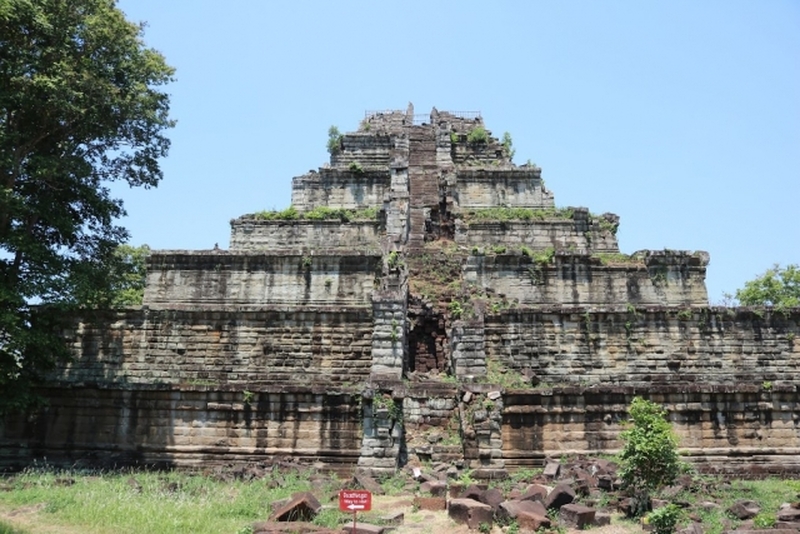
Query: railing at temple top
x=423, y=118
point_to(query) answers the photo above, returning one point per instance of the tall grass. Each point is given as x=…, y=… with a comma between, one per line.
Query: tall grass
x=154, y=502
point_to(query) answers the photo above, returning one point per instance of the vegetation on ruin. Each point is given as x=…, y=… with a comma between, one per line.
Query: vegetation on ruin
x=499, y=374
x=82, y=108
x=778, y=287
x=334, y=144
x=618, y=258
x=478, y=135
x=500, y=214
x=320, y=213
x=508, y=144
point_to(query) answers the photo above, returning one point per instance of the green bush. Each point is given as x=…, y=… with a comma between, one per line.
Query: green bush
x=334, y=140
x=664, y=519
x=477, y=135
x=649, y=460
x=508, y=144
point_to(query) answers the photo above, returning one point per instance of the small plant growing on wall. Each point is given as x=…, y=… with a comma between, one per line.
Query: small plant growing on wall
x=393, y=261
x=334, y=140
x=477, y=135
x=508, y=144
x=355, y=167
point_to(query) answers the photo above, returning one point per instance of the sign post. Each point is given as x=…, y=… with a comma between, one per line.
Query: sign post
x=355, y=501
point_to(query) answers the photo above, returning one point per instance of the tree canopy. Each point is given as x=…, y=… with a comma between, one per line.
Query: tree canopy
x=779, y=287
x=80, y=107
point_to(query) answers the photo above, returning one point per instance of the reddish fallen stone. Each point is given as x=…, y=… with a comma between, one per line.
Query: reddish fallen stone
x=470, y=512
x=532, y=522
x=551, y=469
x=534, y=492
x=493, y=497
x=434, y=487
x=561, y=495
x=473, y=492
x=302, y=506
x=366, y=481
x=602, y=519
x=511, y=509
x=430, y=503
x=363, y=528
x=272, y=527
x=577, y=515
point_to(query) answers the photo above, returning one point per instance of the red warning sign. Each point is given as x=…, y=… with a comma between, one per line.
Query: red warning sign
x=355, y=501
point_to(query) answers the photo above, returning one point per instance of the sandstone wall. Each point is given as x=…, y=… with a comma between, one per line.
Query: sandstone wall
x=249, y=234
x=676, y=279
x=368, y=149
x=183, y=426
x=178, y=279
x=488, y=188
x=742, y=428
x=341, y=188
x=561, y=234
x=645, y=347
x=245, y=348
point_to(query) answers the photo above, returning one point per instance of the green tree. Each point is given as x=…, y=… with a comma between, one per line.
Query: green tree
x=121, y=276
x=80, y=107
x=649, y=460
x=776, y=287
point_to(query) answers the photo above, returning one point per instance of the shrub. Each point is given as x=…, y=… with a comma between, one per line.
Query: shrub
x=664, y=519
x=508, y=144
x=477, y=135
x=649, y=460
x=334, y=140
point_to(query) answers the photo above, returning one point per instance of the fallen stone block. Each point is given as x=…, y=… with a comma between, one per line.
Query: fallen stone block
x=365, y=480
x=301, y=507
x=562, y=494
x=534, y=492
x=789, y=515
x=693, y=528
x=531, y=521
x=434, y=487
x=430, y=503
x=744, y=509
x=511, y=509
x=473, y=492
x=602, y=519
x=363, y=528
x=493, y=497
x=470, y=512
x=273, y=527
x=393, y=519
x=551, y=469
x=577, y=515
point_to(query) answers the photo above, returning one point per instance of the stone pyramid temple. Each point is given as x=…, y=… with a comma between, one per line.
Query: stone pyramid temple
x=423, y=299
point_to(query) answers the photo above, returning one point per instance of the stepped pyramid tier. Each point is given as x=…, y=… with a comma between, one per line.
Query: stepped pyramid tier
x=423, y=298
x=424, y=189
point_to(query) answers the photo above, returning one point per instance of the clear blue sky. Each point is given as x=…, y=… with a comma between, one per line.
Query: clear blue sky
x=682, y=117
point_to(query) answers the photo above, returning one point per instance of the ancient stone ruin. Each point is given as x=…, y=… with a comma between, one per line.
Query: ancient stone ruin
x=422, y=299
